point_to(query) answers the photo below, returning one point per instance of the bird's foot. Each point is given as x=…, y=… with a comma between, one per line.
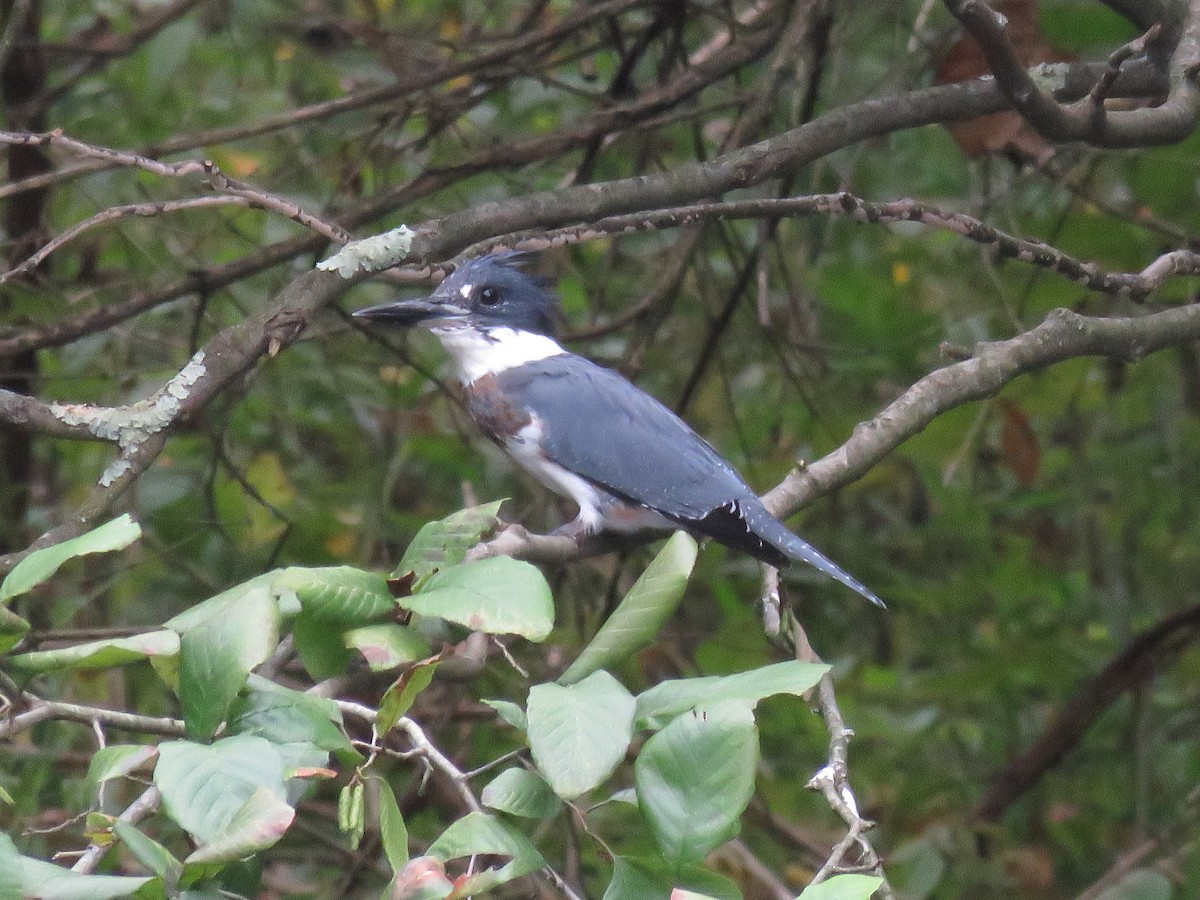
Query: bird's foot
x=576, y=530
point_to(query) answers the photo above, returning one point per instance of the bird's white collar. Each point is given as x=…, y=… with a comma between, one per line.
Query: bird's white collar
x=490, y=351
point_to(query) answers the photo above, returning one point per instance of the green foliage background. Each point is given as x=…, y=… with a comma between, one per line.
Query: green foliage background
x=1020, y=542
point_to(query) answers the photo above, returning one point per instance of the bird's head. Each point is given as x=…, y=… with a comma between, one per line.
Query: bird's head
x=486, y=292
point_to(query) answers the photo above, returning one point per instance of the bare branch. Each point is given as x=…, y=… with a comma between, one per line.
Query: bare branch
x=46, y=710
x=1135, y=285
x=1063, y=335
x=1085, y=120
x=143, y=806
x=833, y=779
x=1144, y=657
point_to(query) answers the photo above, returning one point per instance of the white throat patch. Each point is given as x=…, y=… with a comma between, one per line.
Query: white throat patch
x=493, y=350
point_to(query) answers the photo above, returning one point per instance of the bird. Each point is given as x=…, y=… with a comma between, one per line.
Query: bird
x=627, y=461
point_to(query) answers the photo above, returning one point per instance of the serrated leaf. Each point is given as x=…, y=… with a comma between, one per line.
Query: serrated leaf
x=386, y=647
x=442, y=544
x=478, y=833
x=393, y=833
x=339, y=595
x=519, y=792
x=509, y=712
x=116, y=760
x=845, y=887
x=150, y=853
x=636, y=621
x=579, y=733
x=398, y=699
x=216, y=656
x=694, y=779
x=498, y=595
x=258, y=824
x=99, y=654
x=661, y=703
x=205, y=786
x=41, y=564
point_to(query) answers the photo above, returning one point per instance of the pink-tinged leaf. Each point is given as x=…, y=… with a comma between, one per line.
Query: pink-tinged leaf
x=311, y=772
x=424, y=878
x=260, y=823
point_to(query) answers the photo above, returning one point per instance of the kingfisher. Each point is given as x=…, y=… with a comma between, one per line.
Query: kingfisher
x=627, y=461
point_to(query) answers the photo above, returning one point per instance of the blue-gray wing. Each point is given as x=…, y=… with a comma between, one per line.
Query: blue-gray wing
x=613, y=434
x=609, y=432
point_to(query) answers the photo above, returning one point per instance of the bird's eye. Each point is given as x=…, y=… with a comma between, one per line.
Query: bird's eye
x=489, y=296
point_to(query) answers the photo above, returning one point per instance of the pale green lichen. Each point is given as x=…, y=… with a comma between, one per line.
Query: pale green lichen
x=1050, y=77
x=371, y=254
x=115, y=470
x=128, y=426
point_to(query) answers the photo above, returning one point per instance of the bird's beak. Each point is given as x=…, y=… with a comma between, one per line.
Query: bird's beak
x=409, y=313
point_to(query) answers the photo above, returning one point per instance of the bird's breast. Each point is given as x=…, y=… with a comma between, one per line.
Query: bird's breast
x=497, y=414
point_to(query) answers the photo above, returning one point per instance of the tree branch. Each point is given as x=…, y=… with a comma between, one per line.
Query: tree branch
x=1063, y=335
x=1084, y=120
x=1135, y=285
x=1141, y=659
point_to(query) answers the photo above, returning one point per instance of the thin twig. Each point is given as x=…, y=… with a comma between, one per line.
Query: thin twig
x=142, y=807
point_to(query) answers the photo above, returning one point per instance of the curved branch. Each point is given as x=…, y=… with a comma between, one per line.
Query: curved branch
x=1063, y=335
x=1087, y=120
x=1135, y=285
x=1141, y=659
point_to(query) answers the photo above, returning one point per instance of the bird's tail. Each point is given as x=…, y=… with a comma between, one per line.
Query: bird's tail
x=777, y=535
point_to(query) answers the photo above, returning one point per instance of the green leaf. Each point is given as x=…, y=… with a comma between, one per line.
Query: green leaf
x=258, y=824
x=116, y=760
x=221, y=605
x=695, y=777
x=442, y=544
x=12, y=629
x=636, y=621
x=11, y=882
x=204, y=787
x=387, y=647
x=46, y=881
x=479, y=833
x=1140, y=884
x=339, y=595
x=99, y=654
x=498, y=595
x=216, y=656
x=284, y=716
x=41, y=564
x=852, y=887
x=509, y=712
x=663, y=702
x=393, y=833
x=150, y=853
x=320, y=648
x=579, y=733
x=398, y=699
x=519, y=792
x=636, y=878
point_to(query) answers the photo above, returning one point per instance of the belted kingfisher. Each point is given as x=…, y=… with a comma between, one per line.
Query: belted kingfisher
x=582, y=430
